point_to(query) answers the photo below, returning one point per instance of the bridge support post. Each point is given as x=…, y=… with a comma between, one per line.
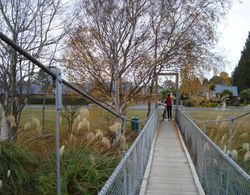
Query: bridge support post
x=58, y=96
x=176, y=74
x=230, y=136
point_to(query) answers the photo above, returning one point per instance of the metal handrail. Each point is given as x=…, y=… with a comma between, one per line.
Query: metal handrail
x=12, y=44
x=224, y=120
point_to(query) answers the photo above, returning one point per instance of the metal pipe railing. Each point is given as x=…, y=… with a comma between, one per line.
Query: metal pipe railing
x=58, y=81
x=12, y=44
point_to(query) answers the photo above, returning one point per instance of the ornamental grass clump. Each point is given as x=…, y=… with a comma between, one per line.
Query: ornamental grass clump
x=90, y=137
x=83, y=171
x=82, y=121
x=99, y=134
x=37, y=125
x=247, y=156
x=12, y=121
x=31, y=136
x=234, y=154
x=245, y=147
x=61, y=151
x=17, y=167
x=115, y=127
x=106, y=142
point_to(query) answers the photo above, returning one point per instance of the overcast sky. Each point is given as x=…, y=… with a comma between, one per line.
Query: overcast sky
x=234, y=31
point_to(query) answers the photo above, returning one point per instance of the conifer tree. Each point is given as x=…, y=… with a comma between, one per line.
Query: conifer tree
x=241, y=73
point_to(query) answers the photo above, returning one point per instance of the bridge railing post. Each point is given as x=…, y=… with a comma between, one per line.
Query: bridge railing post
x=230, y=136
x=58, y=95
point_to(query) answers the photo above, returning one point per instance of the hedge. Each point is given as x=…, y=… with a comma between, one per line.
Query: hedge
x=51, y=100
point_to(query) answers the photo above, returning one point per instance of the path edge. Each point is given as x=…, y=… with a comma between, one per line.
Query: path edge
x=190, y=162
x=147, y=171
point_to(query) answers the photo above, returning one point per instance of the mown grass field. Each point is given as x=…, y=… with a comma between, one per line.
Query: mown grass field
x=219, y=131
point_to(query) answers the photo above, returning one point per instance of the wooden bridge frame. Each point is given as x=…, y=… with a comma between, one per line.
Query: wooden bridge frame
x=177, y=84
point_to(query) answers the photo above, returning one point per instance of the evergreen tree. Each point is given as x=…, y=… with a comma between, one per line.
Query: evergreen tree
x=241, y=74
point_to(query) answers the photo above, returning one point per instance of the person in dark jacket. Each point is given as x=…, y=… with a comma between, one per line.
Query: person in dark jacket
x=169, y=106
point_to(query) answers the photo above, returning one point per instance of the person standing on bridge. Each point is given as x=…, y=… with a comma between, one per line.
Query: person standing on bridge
x=169, y=106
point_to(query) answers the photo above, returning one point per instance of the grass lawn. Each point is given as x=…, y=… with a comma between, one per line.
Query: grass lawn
x=219, y=131
x=98, y=119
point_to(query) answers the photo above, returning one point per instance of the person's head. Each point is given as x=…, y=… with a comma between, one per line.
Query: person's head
x=168, y=94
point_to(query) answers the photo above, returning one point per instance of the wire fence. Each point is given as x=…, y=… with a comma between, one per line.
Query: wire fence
x=128, y=176
x=217, y=172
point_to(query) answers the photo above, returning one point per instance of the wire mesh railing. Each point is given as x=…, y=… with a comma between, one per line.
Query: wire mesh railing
x=217, y=172
x=229, y=129
x=128, y=176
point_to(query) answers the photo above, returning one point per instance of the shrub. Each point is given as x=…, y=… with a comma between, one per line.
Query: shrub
x=237, y=103
x=51, y=100
x=188, y=103
x=17, y=167
x=212, y=104
x=226, y=92
x=245, y=95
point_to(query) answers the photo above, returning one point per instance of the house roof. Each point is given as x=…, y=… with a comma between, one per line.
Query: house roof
x=34, y=88
x=221, y=88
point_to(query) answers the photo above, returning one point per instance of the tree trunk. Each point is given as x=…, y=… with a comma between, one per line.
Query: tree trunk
x=150, y=97
x=5, y=127
x=43, y=110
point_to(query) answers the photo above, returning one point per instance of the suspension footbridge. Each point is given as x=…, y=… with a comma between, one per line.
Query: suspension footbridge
x=211, y=171
x=170, y=167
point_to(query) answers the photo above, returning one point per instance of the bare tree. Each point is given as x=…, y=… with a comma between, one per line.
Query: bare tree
x=34, y=26
x=133, y=40
x=184, y=31
x=110, y=48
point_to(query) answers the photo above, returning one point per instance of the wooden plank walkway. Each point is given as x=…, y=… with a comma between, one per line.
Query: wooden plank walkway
x=170, y=173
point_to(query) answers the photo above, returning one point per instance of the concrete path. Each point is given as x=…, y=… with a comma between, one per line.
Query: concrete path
x=170, y=173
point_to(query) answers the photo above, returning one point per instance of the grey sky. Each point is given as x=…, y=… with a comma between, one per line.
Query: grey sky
x=234, y=30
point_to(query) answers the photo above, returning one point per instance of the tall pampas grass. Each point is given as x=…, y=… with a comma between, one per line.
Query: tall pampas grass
x=247, y=156
x=90, y=137
x=81, y=121
x=115, y=127
x=8, y=173
x=77, y=119
x=12, y=121
x=245, y=147
x=99, y=134
x=61, y=151
x=83, y=112
x=106, y=142
x=83, y=125
x=27, y=126
x=234, y=154
x=37, y=124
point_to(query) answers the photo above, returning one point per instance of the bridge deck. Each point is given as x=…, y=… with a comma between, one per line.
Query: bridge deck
x=170, y=172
